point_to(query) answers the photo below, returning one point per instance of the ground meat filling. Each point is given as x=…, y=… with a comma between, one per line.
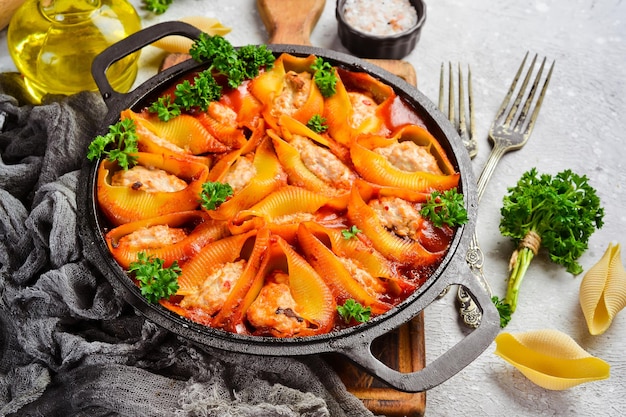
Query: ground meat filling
x=240, y=174
x=408, y=156
x=153, y=237
x=215, y=289
x=363, y=108
x=323, y=163
x=398, y=216
x=275, y=308
x=150, y=180
x=372, y=285
x=295, y=92
x=223, y=114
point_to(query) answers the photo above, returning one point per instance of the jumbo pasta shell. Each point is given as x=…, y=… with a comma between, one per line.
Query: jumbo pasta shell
x=124, y=204
x=181, y=44
x=603, y=291
x=198, y=228
x=550, y=359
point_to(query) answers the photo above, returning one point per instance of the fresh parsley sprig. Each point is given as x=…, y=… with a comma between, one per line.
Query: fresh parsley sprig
x=325, y=77
x=317, y=124
x=352, y=309
x=155, y=281
x=215, y=193
x=225, y=61
x=165, y=108
x=157, y=6
x=118, y=145
x=504, y=310
x=445, y=208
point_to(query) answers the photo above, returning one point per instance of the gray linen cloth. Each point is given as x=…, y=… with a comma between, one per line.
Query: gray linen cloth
x=68, y=346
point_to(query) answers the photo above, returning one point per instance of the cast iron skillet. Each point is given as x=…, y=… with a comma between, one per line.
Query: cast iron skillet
x=355, y=342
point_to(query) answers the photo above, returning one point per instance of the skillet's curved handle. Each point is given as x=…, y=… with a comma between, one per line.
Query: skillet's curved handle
x=446, y=365
x=131, y=44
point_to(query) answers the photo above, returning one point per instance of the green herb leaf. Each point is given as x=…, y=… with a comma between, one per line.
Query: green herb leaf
x=353, y=310
x=317, y=124
x=350, y=233
x=325, y=77
x=231, y=65
x=118, y=145
x=504, y=309
x=165, y=108
x=445, y=208
x=563, y=210
x=253, y=58
x=157, y=6
x=214, y=194
x=155, y=281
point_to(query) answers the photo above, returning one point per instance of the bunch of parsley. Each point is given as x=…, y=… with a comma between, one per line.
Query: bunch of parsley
x=560, y=211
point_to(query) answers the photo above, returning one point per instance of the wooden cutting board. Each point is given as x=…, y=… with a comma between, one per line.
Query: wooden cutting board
x=292, y=22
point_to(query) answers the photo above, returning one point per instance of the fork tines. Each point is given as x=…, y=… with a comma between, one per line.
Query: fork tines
x=465, y=128
x=514, y=117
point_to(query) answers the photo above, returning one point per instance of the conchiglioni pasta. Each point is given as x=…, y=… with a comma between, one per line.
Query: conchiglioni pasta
x=550, y=358
x=603, y=290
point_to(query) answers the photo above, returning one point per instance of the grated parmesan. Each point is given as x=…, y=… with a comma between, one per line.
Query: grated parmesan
x=380, y=17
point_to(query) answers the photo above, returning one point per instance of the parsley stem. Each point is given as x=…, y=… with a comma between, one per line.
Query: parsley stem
x=522, y=262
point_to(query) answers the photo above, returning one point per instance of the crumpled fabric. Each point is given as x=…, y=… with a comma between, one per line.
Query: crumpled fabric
x=69, y=346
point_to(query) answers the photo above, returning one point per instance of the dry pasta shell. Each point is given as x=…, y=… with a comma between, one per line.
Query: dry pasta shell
x=181, y=44
x=550, y=358
x=603, y=291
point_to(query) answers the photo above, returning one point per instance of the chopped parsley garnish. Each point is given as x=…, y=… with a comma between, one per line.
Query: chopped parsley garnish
x=155, y=281
x=123, y=138
x=353, y=310
x=350, y=233
x=214, y=194
x=317, y=124
x=165, y=108
x=445, y=208
x=325, y=77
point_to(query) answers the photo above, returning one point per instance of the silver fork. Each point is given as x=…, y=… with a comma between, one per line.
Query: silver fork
x=509, y=131
x=468, y=137
x=469, y=311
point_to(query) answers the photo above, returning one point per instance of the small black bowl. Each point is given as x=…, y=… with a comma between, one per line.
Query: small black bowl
x=365, y=45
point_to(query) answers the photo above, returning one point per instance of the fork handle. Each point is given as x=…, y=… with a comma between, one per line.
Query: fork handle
x=494, y=157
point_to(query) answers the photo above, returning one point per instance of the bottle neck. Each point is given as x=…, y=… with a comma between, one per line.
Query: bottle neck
x=68, y=11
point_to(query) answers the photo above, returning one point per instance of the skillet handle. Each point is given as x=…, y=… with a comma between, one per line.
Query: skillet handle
x=446, y=365
x=129, y=45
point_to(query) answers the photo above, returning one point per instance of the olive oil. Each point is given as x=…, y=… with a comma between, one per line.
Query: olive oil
x=53, y=44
